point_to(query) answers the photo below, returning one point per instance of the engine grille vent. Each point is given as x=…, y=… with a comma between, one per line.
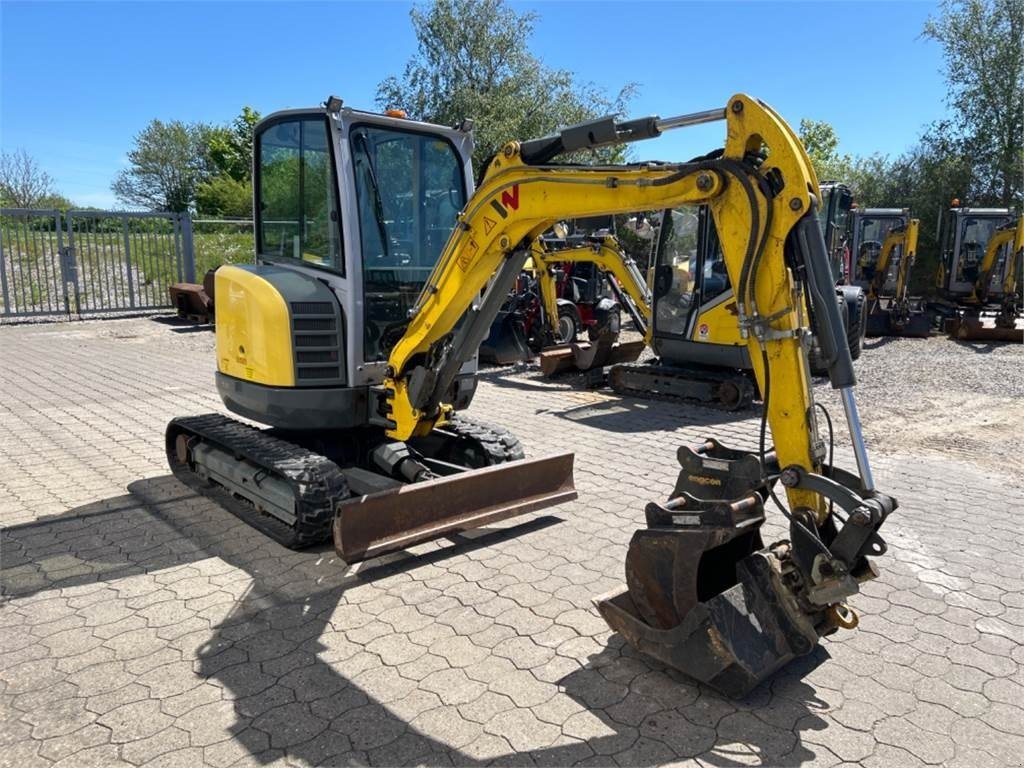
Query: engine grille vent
x=312, y=308
x=316, y=340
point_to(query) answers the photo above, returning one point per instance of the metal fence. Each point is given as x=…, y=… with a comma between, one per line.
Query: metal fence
x=84, y=263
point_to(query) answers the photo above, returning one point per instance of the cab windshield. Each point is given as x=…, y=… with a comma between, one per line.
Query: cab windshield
x=871, y=235
x=974, y=236
x=409, y=189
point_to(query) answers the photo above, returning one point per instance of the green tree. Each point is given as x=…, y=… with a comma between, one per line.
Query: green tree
x=229, y=147
x=224, y=196
x=168, y=163
x=473, y=61
x=984, y=67
x=23, y=184
x=822, y=144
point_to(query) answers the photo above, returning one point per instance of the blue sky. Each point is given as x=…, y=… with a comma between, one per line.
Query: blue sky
x=79, y=80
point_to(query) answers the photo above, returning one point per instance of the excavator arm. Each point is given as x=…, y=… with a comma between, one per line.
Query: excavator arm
x=904, y=237
x=703, y=592
x=760, y=202
x=1011, y=235
x=1012, y=301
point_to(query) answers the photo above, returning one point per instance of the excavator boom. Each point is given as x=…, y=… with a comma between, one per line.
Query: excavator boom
x=703, y=594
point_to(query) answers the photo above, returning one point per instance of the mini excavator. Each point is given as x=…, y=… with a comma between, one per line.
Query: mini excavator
x=627, y=290
x=353, y=338
x=996, y=282
x=896, y=314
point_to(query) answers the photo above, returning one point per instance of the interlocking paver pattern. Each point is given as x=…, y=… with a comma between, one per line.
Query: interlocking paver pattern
x=143, y=625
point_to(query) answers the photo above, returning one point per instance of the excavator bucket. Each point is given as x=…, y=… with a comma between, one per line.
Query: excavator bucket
x=703, y=594
x=973, y=328
x=399, y=517
x=506, y=343
x=884, y=321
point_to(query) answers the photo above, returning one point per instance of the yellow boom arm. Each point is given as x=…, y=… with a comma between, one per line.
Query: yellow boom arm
x=1003, y=237
x=905, y=236
x=757, y=200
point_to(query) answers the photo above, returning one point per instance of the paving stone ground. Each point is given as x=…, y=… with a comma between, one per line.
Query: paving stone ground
x=142, y=625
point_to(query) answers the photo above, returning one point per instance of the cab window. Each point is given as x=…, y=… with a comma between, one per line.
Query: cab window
x=297, y=215
x=409, y=189
x=675, y=280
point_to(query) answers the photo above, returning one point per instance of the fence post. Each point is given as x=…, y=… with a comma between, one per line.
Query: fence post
x=3, y=276
x=188, y=250
x=128, y=263
x=69, y=260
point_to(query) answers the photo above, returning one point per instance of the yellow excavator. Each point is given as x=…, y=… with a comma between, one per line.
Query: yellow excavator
x=353, y=338
x=996, y=273
x=628, y=290
x=896, y=314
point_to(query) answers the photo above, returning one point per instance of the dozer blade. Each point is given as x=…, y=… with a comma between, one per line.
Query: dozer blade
x=974, y=329
x=587, y=355
x=397, y=518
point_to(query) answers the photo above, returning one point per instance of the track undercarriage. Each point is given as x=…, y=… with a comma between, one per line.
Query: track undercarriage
x=375, y=496
x=716, y=387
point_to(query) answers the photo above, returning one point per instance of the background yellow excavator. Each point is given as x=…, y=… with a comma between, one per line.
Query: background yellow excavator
x=895, y=313
x=688, y=314
x=354, y=334
x=995, y=284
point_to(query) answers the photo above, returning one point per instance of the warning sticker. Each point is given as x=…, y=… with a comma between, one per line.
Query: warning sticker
x=489, y=224
x=703, y=330
x=467, y=255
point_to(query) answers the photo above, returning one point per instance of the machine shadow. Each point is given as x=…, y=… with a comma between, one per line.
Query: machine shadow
x=981, y=347
x=181, y=324
x=278, y=658
x=877, y=342
x=627, y=414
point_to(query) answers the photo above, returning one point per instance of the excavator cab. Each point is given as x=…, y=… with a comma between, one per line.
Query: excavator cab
x=964, y=235
x=833, y=215
x=694, y=309
x=868, y=228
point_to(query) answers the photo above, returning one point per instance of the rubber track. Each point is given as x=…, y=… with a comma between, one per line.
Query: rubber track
x=317, y=481
x=498, y=443
x=657, y=370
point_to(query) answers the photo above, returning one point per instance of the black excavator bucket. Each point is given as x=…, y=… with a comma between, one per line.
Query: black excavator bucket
x=703, y=594
x=404, y=515
x=506, y=343
x=883, y=320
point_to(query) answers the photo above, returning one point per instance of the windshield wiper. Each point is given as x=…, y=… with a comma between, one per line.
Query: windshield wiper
x=378, y=204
